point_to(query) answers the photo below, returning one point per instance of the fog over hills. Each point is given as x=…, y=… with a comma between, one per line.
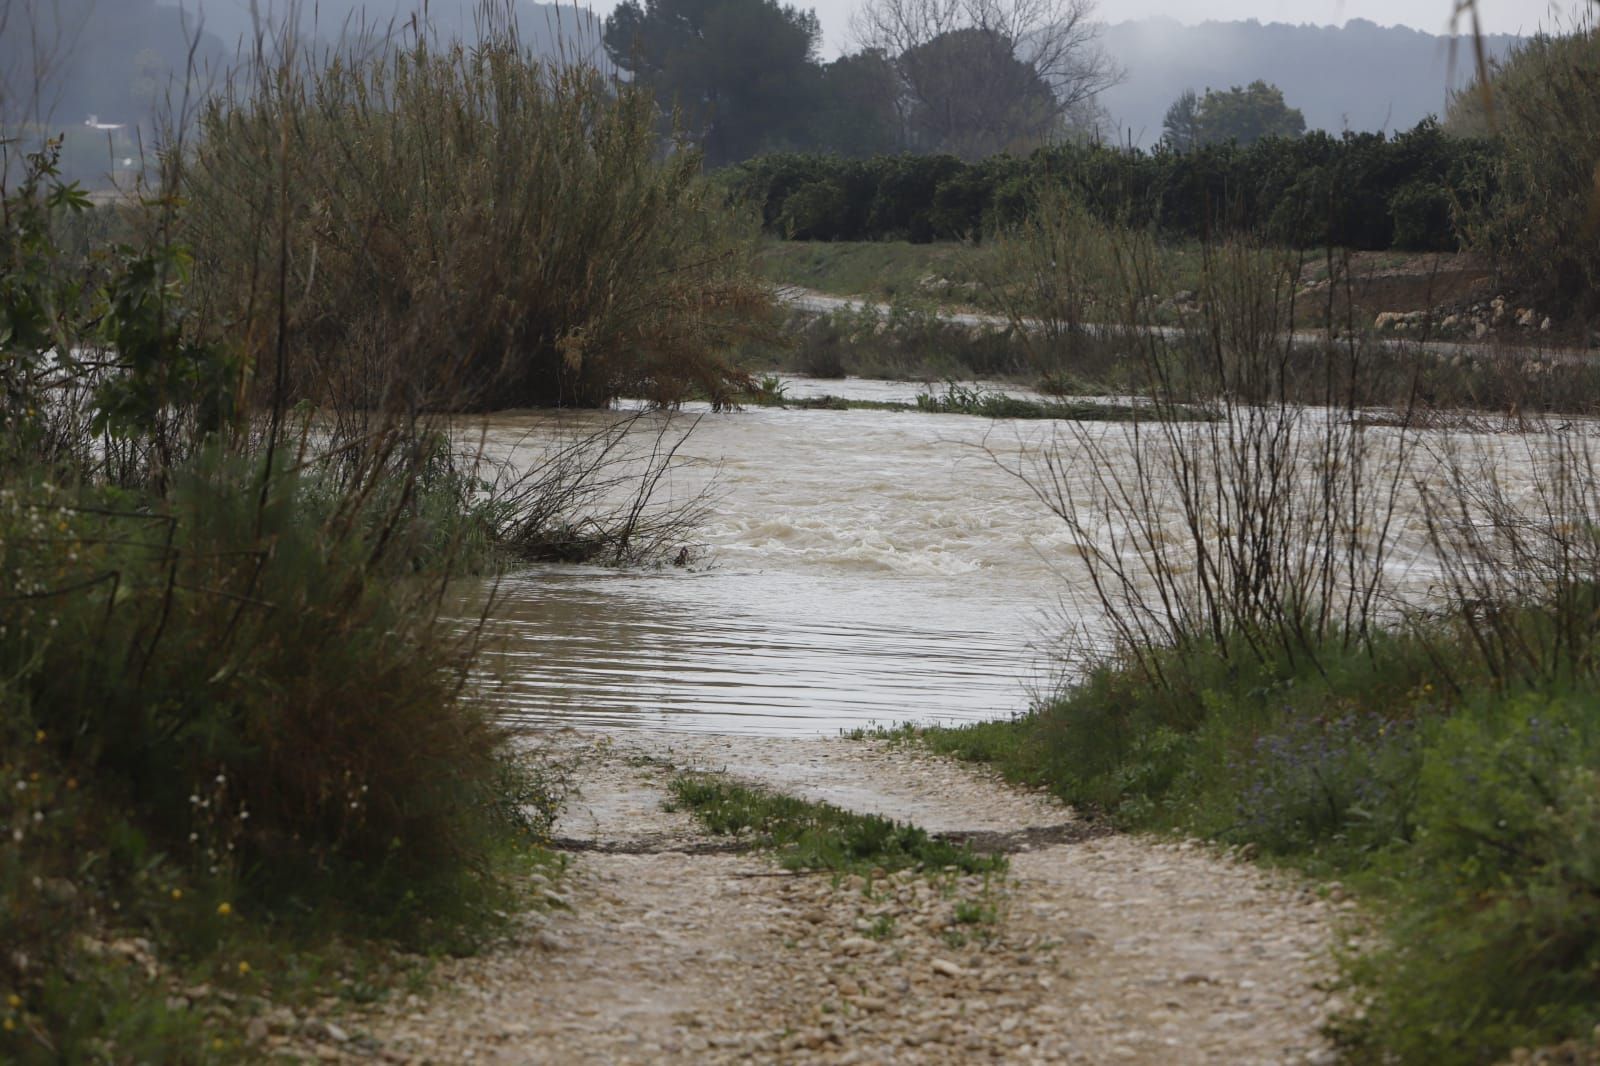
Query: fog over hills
x=1360, y=77
x=64, y=60
x=548, y=28
x=116, y=58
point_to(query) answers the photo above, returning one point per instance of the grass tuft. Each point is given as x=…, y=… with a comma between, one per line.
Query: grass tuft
x=820, y=836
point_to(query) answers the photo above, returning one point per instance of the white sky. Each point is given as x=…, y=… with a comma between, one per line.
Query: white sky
x=1499, y=16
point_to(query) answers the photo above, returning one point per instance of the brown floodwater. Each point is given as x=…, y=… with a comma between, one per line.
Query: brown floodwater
x=853, y=568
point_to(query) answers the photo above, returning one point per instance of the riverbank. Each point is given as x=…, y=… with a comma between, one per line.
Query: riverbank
x=678, y=946
x=1458, y=806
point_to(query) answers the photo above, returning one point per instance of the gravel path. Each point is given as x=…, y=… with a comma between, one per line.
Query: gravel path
x=1094, y=948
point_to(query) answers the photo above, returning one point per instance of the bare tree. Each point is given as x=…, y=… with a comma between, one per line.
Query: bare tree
x=1056, y=40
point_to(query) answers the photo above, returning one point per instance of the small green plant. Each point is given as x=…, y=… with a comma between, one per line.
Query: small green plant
x=769, y=391
x=820, y=836
x=975, y=912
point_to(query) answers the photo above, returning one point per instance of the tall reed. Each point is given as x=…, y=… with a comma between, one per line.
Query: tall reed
x=463, y=227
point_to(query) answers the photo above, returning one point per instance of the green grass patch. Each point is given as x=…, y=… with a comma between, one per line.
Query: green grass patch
x=951, y=274
x=944, y=274
x=820, y=836
x=1468, y=814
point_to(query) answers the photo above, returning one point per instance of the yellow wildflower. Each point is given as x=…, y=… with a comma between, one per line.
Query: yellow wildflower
x=224, y=909
x=177, y=893
x=13, y=1001
x=244, y=969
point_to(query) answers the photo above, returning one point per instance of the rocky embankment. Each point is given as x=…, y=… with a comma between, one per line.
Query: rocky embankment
x=666, y=945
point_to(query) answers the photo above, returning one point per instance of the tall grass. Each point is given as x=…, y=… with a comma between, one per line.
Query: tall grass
x=464, y=227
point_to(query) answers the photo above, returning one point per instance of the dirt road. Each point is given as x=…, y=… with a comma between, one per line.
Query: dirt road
x=666, y=945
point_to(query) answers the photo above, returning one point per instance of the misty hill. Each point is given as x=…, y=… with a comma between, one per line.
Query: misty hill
x=118, y=59
x=549, y=29
x=1361, y=77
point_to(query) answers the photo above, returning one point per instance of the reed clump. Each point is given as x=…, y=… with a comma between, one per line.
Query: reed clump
x=472, y=228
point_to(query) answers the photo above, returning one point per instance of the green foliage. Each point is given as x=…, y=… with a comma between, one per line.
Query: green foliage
x=1500, y=917
x=1359, y=190
x=1246, y=115
x=858, y=117
x=820, y=836
x=1544, y=109
x=1180, y=129
x=1475, y=817
x=463, y=229
x=236, y=654
x=740, y=73
x=974, y=96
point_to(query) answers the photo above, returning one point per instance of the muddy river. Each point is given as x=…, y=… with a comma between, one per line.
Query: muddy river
x=854, y=568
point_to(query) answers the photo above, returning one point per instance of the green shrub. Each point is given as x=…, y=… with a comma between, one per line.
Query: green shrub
x=1422, y=220
x=234, y=671
x=1546, y=117
x=462, y=229
x=1359, y=190
x=1497, y=944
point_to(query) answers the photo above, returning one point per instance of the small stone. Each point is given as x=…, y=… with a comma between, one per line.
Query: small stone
x=946, y=968
x=855, y=945
x=257, y=1031
x=549, y=941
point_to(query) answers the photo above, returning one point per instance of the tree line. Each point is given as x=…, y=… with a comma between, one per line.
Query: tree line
x=966, y=78
x=1357, y=190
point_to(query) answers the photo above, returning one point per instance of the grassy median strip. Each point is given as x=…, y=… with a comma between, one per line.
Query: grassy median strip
x=820, y=836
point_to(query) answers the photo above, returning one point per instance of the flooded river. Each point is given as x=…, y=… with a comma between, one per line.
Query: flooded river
x=856, y=567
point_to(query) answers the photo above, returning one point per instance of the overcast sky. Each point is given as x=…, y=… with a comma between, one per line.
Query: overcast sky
x=1499, y=16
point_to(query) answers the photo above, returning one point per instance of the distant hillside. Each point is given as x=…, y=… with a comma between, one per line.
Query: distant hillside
x=67, y=59
x=549, y=29
x=1361, y=77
